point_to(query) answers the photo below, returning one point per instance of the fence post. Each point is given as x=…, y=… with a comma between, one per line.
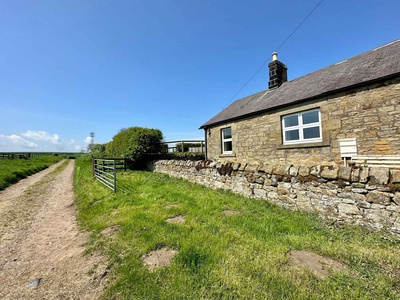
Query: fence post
x=93, y=165
x=115, y=177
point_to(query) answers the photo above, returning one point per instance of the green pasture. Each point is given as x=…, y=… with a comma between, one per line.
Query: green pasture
x=241, y=255
x=13, y=170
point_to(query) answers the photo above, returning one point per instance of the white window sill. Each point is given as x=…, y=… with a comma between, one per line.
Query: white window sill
x=227, y=155
x=304, y=145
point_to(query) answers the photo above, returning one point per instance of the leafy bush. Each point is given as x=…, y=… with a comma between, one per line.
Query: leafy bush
x=135, y=143
x=99, y=150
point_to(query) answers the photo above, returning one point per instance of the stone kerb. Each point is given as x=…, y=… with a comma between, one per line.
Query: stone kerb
x=365, y=196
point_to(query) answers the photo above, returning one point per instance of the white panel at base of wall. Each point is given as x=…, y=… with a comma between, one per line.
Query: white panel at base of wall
x=348, y=147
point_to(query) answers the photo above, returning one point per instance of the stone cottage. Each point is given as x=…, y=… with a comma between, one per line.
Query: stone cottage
x=305, y=121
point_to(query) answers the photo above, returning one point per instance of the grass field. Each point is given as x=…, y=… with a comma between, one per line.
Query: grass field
x=237, y=256
x=13, y=170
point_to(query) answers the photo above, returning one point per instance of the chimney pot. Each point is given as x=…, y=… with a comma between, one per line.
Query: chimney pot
x=277, y=72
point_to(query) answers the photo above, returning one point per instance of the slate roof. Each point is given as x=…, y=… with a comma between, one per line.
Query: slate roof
x=377, y=64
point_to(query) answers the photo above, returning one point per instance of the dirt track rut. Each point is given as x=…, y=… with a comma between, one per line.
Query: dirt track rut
x=41, y=246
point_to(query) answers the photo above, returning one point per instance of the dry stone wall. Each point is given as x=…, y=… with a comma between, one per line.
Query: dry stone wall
x=365, y=196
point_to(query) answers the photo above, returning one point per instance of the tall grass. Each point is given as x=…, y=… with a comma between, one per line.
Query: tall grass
x=242, y=256
x=13, y=170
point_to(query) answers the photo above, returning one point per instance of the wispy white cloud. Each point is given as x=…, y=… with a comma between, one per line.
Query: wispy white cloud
x=88, y=140
x=36, y=140
x=42, y=136
x=16, y=140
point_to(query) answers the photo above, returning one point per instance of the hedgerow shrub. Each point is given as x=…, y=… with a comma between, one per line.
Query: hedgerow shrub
x=135, y=143
x=99, y=150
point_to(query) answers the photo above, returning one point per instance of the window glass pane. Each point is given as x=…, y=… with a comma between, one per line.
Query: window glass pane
x=311, y=133
x=292, y=135
x=227, y=134
x=291, y=121
x=310, y=117
x=227, y=146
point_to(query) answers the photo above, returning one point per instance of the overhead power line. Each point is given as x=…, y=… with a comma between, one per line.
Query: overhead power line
x=299, y=25
x=262, y=66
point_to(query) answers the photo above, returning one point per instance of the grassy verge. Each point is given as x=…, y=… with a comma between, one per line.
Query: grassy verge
x=13, y=170
x=242, y=256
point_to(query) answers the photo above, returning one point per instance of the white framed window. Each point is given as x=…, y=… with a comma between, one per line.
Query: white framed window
x=226, y=138
x=302, y=127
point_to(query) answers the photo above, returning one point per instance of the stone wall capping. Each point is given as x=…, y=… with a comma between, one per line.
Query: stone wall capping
x=242, y=167
x=355, y=174
x=294, y=171
x=345, y=173
x=395, y=176
x=315, y=171
x=379, y=175
x=235, y=166
x=364, y=175
x=279, y=170
x=268, y=168
x=330, y=173
x=251, y=168
x=365, y=196
x=212, y=164
x=304, y=171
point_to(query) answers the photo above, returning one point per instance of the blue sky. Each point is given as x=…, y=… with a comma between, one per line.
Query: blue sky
x=69, y=68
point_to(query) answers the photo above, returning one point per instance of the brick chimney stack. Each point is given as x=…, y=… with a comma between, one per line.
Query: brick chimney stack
x=277, y=72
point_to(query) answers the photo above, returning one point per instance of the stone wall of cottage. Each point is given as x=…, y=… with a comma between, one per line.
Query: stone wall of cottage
x=365, y=196
x=371, y=114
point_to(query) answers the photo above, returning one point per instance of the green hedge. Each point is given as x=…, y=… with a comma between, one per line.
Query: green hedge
x=135, y=143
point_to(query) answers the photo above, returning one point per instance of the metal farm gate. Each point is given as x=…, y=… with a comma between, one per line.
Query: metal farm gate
x=105, y=170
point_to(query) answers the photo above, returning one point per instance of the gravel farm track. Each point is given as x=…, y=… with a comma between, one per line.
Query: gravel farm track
x=41, y=245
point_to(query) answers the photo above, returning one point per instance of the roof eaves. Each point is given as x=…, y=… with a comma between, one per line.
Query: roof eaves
x=360, y=84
